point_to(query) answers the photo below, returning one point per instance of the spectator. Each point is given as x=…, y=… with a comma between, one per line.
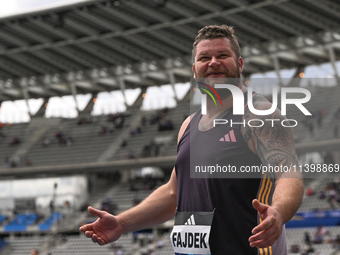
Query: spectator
x=319, y=234
x=337, y=242
x=123, y=144
x=14, y=141
x=295, y=248
x=136, y=200
x=109, y=206
x=83, y=121
x=28, y=162
x=309, y=192
x=120, y=251
x=328, y=158
x=45, y=142
x=34, y=252
x=133, y=187
x=337, y=114
x=135, y=131
x=165, y=125
x=103, y=130
x=69, y=141
x=322, y=195
x=333, y=196
x=58, y=134
x=160, y=244
x=144, y=121
x=308, y=250
x=307, y=239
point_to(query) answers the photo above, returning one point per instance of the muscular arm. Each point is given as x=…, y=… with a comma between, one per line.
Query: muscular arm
x=160, y=206
x=157, y=208
x=274, y=144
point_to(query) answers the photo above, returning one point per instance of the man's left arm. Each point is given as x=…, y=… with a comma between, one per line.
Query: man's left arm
x=274, y=145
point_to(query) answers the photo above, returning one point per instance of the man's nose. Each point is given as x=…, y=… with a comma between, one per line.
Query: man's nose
x=214, y=62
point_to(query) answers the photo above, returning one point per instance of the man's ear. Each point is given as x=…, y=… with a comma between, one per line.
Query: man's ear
x=240, y=64
x=193, y=70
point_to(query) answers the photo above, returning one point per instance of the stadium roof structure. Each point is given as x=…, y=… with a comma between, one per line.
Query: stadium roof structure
x=106, y=45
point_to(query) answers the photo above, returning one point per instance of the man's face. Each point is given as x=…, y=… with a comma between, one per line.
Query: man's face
x=215, y=59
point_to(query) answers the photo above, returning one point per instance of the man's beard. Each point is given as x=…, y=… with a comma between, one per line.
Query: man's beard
x=232, y=77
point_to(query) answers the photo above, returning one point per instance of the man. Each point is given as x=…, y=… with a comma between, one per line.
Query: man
x=241, y=216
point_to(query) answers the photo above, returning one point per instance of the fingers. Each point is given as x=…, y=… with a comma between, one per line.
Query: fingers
x=266, y=224
x=89, y=233
x=266, y=237
x=97, y=239
x=86, y=227
x=261, y=208
x=94, y=238
x=96, y=212
x=263, y=243
x=267, y=232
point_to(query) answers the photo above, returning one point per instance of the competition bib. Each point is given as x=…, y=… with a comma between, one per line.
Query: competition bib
x=190, y=234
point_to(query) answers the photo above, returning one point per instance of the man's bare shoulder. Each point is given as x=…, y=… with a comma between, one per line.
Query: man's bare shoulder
x=184, y=126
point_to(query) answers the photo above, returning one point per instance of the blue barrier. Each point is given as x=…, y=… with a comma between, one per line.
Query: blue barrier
x=314, y=219
x=11, y=228
x=44, y=226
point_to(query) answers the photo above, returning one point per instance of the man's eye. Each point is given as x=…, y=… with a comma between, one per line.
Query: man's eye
x=223, y=56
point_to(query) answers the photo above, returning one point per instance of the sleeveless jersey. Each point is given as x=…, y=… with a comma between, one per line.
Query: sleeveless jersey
x=229, y=198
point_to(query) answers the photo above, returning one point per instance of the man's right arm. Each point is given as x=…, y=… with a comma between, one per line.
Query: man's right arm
x=162, y=201
x=160, y=206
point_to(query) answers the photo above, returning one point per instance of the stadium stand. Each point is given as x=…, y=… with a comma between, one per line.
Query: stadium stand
x=107, y=45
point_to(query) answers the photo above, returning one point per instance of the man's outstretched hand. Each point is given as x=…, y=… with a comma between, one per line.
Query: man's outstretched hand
x=105, y=229
x=269, y=230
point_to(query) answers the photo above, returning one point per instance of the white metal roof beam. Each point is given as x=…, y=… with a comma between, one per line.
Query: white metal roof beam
x=242, y=38
x=59, y=32
x=52, y=61
x=312, y=18
x=147, y=45
x=13, y=39
x=246, y=25
x=99, y=21
x=98, y=52
x=279, y=21
x=44, y=40
x=327, y=6
x=32, y=34
x=95, y=36
x=136, y=22
x=29, y=64
x=68, y=53
x=160, y=17
x=15, y=70
x=87, y=48
x=82, y=28
x=176, y=43
x=113, y=27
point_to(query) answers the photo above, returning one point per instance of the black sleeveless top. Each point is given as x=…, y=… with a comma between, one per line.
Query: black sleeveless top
x=229, y=198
